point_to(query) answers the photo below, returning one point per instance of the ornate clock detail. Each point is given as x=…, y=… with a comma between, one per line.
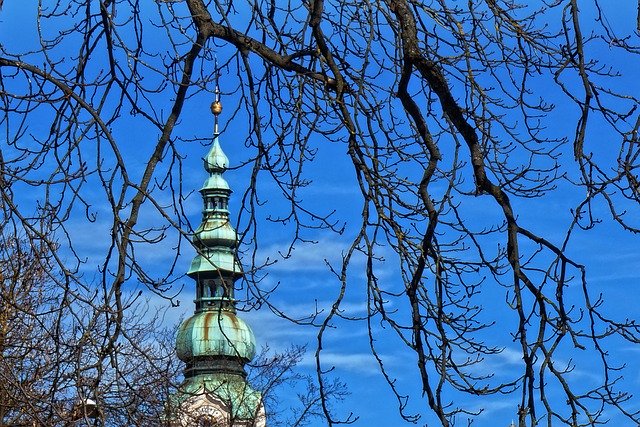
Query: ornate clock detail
x=205, y=415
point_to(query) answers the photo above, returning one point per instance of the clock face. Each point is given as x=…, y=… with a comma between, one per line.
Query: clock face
x=206, y=415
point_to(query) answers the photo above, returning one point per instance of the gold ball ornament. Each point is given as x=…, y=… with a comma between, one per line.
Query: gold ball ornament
x=216, y=107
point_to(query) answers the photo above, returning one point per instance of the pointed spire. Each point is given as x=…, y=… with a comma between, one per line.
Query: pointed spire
x=216, y=105
x=215, y=238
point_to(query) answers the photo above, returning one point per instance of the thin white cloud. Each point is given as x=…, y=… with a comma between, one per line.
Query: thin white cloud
x=510, y=363
x=354, y=363
x=491, y=407
x=308, y=261
x=615, y=275
x=306, y=257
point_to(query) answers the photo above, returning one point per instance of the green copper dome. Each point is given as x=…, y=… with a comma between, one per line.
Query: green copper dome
x=213, y=261
x=216, y=160
x=215, y=333
x=216, y=232
x=215, y=182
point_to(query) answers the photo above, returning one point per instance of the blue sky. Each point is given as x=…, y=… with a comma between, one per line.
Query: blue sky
x=304, y=283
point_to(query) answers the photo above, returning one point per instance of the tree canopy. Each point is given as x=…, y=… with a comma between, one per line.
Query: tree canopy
x=487, y=148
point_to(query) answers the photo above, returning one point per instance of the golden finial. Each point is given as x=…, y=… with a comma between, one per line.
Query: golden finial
x=216, y=107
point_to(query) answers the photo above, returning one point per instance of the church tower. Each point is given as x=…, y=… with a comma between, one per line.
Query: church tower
x=215, y=343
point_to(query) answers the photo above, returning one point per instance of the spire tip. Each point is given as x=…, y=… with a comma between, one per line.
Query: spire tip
x=216, y=106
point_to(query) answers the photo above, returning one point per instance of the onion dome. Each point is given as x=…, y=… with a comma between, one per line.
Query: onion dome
x=216, y=160
x=215, y=184
x=219, y=333
x=212, y=261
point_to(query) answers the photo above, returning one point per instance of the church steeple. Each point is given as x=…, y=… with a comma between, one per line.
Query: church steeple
x=215, y=343
x=215, y=267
